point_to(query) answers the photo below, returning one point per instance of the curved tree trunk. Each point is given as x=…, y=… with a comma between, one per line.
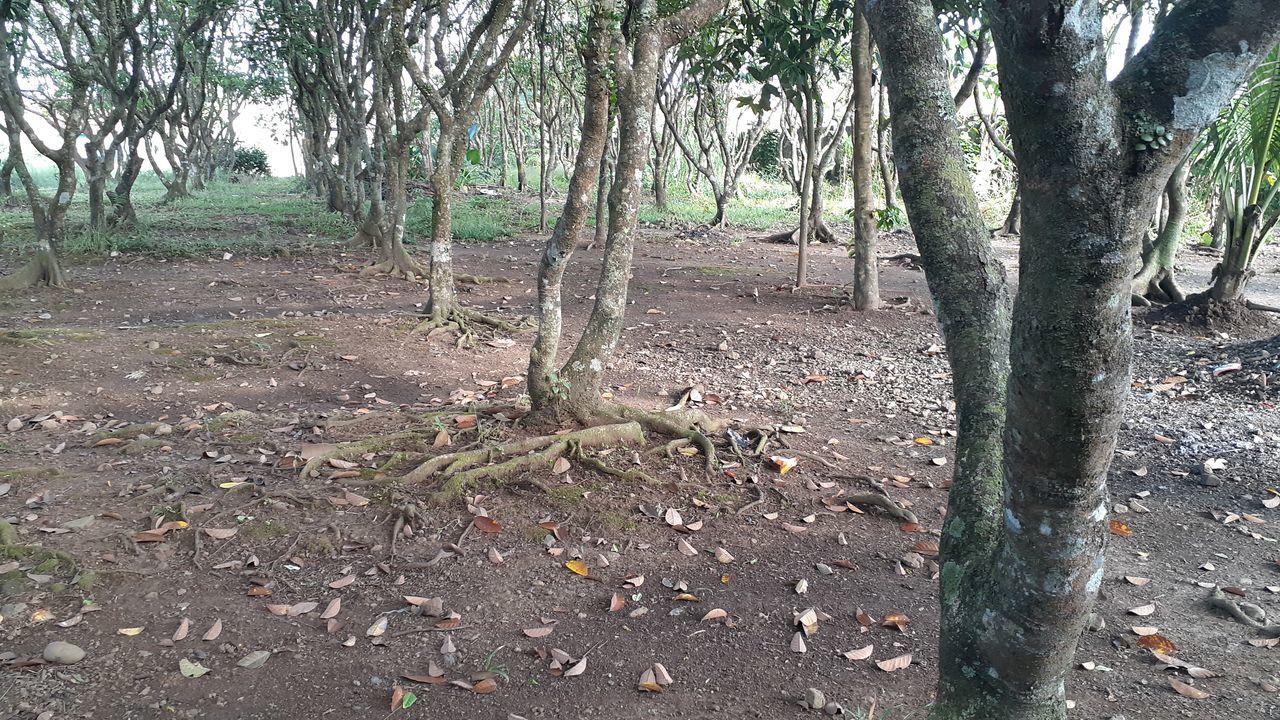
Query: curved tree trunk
x=1013, y=220
x=1156, y=275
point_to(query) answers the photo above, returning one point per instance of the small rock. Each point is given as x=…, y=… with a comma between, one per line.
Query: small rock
x=1209, y=480
x=164, y=429
x=833, y=708
x=1120, y=509
x=1095, y=623
x=814, y=698
x=62, y=653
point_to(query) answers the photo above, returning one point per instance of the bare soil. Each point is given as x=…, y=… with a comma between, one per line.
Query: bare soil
x=248, y=363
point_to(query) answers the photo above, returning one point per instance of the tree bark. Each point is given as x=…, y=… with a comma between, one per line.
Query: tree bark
x=544, y=389
x=866, y=275
x=1022, y=545
x=1158, y=262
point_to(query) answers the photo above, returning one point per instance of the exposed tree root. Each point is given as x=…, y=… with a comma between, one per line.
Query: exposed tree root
x=1244, y=613
x=461, y=320
x=352, y=450
x=407, y=268
x=497, y=464
x=464, y=279
x=11, y=549
x=1260, y=307
x=125, y=433
x=38, y=271
x=686, y=425
x=821, y=234
x=600, y=466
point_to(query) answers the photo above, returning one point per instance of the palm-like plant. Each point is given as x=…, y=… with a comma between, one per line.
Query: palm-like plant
x=1242, y=156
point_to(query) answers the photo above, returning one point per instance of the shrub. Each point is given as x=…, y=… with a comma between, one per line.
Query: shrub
x=251, y=161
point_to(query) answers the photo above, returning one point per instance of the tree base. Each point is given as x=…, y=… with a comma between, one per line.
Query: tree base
x=405, y=268
x=461, y=321
x=821, y=234
x=40, y=270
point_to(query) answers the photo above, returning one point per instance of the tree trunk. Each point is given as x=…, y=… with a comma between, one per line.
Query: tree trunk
x=607, y=162
x=882, y=150
x=1158, y=261
x=125, y=215
x=1233, y=272
x=866, y=276
x=544, y=391
x=444, y=297
x=1013, y=220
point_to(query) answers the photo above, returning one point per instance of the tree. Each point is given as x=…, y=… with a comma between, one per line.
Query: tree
x=453, y=93
x=718, y=152
x=1023, y=541
x=638, y=48
x=52, y=38
x=801, y=45
x=1242, y=155
x=866, y=276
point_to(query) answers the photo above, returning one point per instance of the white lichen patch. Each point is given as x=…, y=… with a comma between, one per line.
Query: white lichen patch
x=1211, y=83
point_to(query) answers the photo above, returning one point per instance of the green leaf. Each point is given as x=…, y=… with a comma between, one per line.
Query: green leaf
x=473, y=156
x=190, y=669
x=408, y=701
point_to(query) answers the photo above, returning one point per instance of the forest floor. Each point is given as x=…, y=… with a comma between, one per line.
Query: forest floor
x=166, y=390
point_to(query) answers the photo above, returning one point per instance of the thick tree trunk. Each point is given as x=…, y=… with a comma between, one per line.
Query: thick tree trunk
x=969, y=288
x=545, y=393
x=866, y=275
x=124, y=214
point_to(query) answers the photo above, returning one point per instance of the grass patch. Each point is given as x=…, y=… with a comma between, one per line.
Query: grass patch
x=23, y=338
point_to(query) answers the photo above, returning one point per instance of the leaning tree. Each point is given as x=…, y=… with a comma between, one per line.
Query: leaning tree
x=1040, y=391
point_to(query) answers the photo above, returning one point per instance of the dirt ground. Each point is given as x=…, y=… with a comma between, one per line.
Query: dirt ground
x=190, y=390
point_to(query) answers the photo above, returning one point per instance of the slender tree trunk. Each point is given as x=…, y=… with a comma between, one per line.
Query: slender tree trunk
x=607, y=163
x=1233, y=272
x=544, y=392
x=882, y=150
x=444, y=298
x=1013, y=220
x=1157, y=264
x=1135, y=28
x=866, y=275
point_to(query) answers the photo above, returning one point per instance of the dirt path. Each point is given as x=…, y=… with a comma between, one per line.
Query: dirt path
x=299, y=342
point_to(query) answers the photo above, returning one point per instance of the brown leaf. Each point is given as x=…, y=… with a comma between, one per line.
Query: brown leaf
x=221, y=533
x=485, y=686
x=332, y=609
x=860, y=653
x=465, y=421
x=560, y=466
x=894, y=664
x=342, y=582
x=617, y=602
x=1158, y=643
x=1188, y=691
x=649, y=682
x=487, y=524
x=714, y=614
x=538, y=632
x=896, y=620
x=1135, y=580
x=184, y=627
x=1143, y=610
x=1144, y=630
x=685, y=548
x=577, y=669
x=397, y=697
x=442, y=439
x=864, y=619
x=1119, y=529
x=578, y=567
x=213, y=632
x=927, y=548
x=302, y=608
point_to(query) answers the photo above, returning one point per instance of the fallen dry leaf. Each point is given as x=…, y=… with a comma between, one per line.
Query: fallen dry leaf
x=616, y=603
x=213, y=632
x=1135, y=580
x=685, y=548
x=1158, y=643
x=894, y=664
x=221, y=533
x=649, y=682
x=578, y=567
x=797, y=643
x=714, y=614
x=1188, y=691
x=1119, y=529
x=561, y=466
x=180, y=634
x=577, y=668
x=860, y=653
x=485, y=686
x=342, y=582
x=486, y=524
x=538, y=632
x=1143, y=610
x=896, y=620
x=377, y=628
x=332, y=609
x=1144, y=630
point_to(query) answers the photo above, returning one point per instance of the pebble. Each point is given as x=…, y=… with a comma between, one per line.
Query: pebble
x=814, y=698
x=62, y=653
